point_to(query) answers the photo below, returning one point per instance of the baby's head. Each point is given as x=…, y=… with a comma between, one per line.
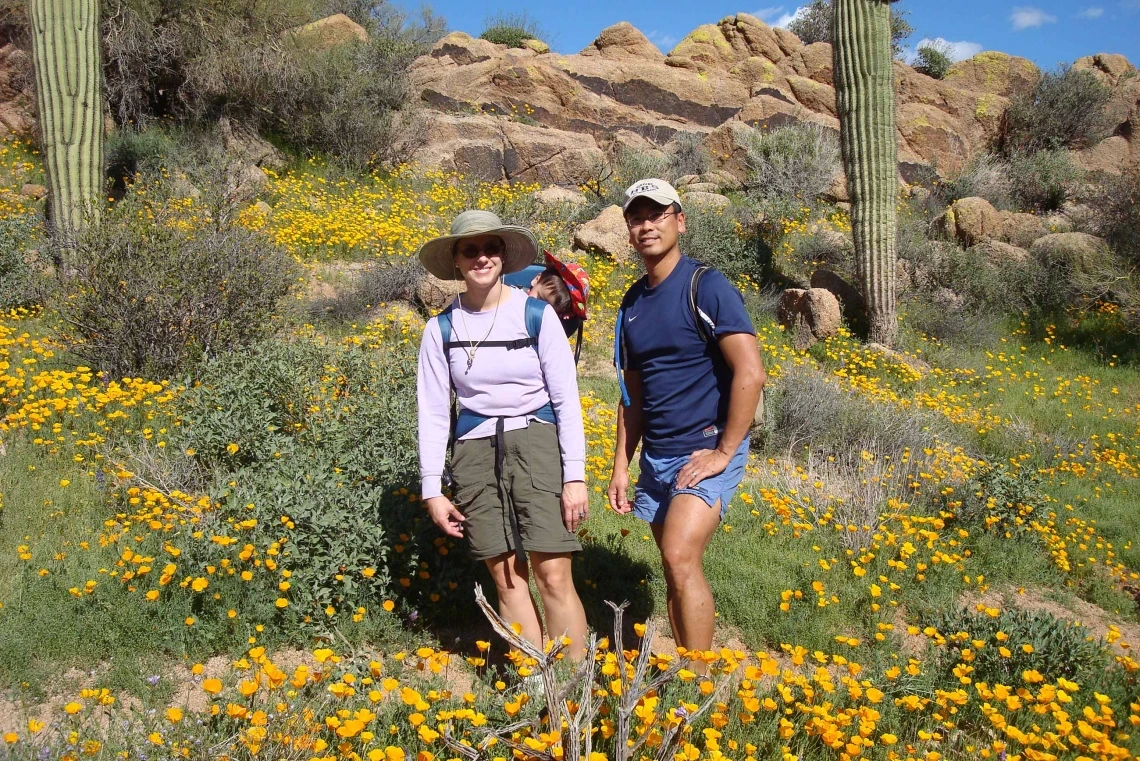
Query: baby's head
x=549, y=286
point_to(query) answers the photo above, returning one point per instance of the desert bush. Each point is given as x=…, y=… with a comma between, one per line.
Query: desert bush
x=933, y=59
x=378, y=284
x=313, y=441
x=797, y=161
x=1056, y=648
x=229, y=58
x=1117, y=205
x=18, y=282
x=815, y=23
x=1064, y=109
x=725, y=239
x=1000, y=500
x=986, y=176
x=156, y=288
x=1045, y=179
x=805, y=409
x=511, y=29
x=687, y=154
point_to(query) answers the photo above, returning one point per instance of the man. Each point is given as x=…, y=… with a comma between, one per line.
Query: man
x=688, y=401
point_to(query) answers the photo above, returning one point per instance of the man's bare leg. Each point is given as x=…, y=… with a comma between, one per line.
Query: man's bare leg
x=682, y=538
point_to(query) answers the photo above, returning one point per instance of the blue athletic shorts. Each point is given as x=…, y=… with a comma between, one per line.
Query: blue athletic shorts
x=656, y=484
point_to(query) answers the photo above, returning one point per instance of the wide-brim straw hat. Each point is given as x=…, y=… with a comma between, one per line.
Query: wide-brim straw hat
x=521, y=247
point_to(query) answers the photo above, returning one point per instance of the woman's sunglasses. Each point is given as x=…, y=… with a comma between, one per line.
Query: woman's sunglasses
x=490, y=248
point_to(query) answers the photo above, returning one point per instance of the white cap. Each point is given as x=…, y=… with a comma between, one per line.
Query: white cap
x=653, y=188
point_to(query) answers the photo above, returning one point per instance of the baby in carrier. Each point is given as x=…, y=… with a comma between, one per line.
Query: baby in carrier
x=563, y=285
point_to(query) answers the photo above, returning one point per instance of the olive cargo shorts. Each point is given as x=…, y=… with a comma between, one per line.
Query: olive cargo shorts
x=532, y=483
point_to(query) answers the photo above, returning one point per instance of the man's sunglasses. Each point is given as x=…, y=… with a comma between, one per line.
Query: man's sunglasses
x=653, y=218
x=490, y=248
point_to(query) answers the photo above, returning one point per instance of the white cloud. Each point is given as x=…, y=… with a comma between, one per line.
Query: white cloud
x=662, y=40
x=958, y=51
x=774, y=15
x=1095, y=12
x=1026, y=17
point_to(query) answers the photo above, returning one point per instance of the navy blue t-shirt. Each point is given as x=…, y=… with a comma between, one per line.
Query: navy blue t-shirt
x=685, y=381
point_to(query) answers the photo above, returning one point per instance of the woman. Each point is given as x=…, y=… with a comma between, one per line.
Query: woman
x=520, y=491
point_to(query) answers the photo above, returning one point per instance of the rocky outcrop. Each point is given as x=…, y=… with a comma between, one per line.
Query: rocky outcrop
x=553, y=195
x=1076, y=251
x=17, y=98
x=738, y=70
x=499, y=149
x=1021, y=229
x=999, y=253
x=605, y=234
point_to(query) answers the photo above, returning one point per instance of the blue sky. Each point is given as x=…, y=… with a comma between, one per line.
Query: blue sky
x=1046, y=31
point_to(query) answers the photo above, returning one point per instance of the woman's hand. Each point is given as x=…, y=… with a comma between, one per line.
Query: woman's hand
x=446, y=516
x=575, y=504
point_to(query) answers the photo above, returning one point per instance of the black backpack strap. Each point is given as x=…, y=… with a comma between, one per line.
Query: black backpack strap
x=706, y=328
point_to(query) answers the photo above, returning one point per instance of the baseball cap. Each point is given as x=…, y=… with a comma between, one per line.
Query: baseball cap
x=658, y=190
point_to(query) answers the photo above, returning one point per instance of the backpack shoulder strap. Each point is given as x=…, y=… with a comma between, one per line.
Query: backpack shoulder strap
x=706, y=328
x=444, y=321
x=534, y=310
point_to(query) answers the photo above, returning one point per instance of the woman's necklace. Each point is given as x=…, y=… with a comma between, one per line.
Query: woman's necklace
x=476, y=344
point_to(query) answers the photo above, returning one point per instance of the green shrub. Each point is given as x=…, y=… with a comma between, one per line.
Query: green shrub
x=687, y=154
x=933, y=59
x=157, y=287
x=814, y=23
x=511, y=29
x=321, y=434
x=229, y=58
x=18, y=281
x=727, y=240
x=797, y=161
x=1045, y=179
x=986, y=176
x=1058, y=648
x=1064, y=109
x=1000, y=500
x=1117, y=207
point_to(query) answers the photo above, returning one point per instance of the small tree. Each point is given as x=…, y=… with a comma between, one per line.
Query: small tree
x=817, y=24
x=933, y=59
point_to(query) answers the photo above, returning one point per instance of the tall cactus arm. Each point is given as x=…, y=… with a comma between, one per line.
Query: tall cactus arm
x=865, y=97
x=69, y=95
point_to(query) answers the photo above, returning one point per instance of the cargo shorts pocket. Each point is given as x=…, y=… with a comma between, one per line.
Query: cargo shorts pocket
x=543, y=457
x=473, y=467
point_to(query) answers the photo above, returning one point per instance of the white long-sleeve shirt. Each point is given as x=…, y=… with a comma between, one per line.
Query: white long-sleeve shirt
x=507, y=383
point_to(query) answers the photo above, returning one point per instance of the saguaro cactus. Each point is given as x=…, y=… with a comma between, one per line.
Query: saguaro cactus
x=69, y=96
x=865, y=96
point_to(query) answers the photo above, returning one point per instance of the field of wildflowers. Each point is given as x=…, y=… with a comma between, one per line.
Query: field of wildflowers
x=949, y=576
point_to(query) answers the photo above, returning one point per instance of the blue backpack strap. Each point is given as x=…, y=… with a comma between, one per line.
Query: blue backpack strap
x=534, y=309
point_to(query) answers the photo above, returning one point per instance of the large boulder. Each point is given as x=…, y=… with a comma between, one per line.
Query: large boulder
x=705, y=198
x=555, y=195
x=622, y=41
x=1109, y=67
x=1079, y=252
x=329, y=32
x=969, y=220
x=17, y=96
x=810, y=314
x=1021, y=229
x=993, y=73
x=1112, y=156
x=850, y=300
x=605, y=234
x=243, y=143
x=999, y=253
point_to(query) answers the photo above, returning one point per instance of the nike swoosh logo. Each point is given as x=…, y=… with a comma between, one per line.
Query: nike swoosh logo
x=634, y=317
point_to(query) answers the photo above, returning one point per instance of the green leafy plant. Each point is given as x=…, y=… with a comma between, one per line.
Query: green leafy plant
x=933, y=59
x=18, y=282
x=511, y=29
x=725, y=239
x=1055, y=648
x=1000, y=499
